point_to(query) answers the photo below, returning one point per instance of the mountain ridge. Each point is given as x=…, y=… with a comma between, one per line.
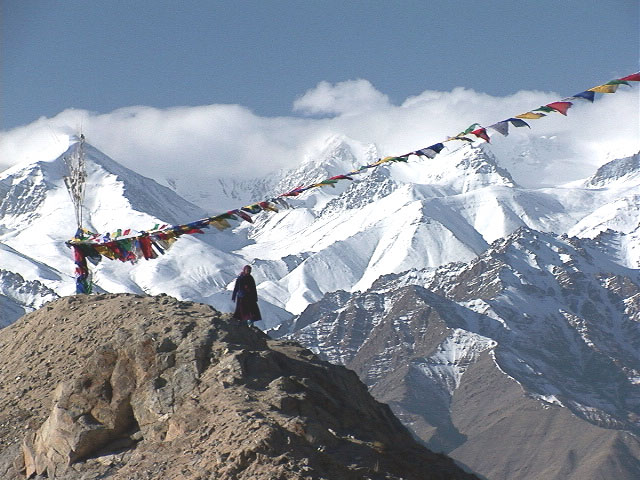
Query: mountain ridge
x=554, y=317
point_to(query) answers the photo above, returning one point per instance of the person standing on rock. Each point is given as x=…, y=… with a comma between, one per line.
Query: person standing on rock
x=246, y=297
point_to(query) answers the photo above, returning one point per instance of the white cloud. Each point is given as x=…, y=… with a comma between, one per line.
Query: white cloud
x=350, y=97
x=200, y=144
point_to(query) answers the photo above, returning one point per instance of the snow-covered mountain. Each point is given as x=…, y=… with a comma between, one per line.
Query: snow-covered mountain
x=476, y=302
x=422, y=214
x=419, y=215
x=36, y=217
x=550, y=319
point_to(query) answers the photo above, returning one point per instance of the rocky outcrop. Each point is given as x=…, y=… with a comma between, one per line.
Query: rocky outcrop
x=132, y=387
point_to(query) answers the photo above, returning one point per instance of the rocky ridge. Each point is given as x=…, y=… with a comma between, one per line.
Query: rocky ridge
x=135, y=387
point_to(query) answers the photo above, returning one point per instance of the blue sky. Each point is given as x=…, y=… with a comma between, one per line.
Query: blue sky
x=263, y=55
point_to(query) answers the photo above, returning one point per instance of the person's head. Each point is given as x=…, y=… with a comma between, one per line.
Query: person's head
x=246, y=270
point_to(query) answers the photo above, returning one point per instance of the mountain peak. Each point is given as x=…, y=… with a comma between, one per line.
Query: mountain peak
x=25, y=189
x=618, y=170
x=481, y=162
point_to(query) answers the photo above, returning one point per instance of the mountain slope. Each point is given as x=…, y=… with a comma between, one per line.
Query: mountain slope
x=550, y=322
x=36, y=218
x=419, y=215
x=422, y=214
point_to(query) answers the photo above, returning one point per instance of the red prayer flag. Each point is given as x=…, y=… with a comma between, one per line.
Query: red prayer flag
x=244, y=216
x=295, y=192
x=561, y=107
x=634, y=77
x=78, y=255
x=145, y=246
x=481, y=133
x=268, y=206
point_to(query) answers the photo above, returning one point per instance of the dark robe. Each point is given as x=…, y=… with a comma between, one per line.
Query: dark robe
x=246, y=298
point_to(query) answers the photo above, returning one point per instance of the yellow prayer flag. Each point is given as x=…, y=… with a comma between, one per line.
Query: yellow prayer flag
x=170, y=240
x=220, y=223
x=105, y=252
x=604, y=88
x=382, y=160
x=531, y=115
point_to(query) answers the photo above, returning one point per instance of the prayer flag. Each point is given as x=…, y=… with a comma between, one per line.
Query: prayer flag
x=461, y=135
x=430, y=152
x=227, y=216
x=437, y=147
x=531, y=115
x=105, y=252
x=501, y=127
x=198, y=224
x=242, y=215
x=481, y=133
x=157, y=246
x=83, y=282
x=382, y=160
x=561, y=107
x=280, y=201
x=295, y=192
x=426, y=152
x=516, y=122
x=268, y=206
x=606, y=88
x=190, y=231
x=362, y=168
x=255, y=208
x=544, y=109
x=586, y=95
x=458, y=137
x=130, y=245
x=341, y=177
x=469, y=129
x=617, y=82
x=145, y=246
x=166, y=243
x=220, y=223
x=634, y=77
x=325, y=183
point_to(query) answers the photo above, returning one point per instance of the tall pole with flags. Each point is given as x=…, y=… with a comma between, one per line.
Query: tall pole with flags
x=76, y=184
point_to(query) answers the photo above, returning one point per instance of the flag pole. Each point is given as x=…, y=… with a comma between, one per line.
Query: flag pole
x=76, y=184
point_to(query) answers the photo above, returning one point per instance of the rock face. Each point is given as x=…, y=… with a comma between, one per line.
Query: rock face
x=132, y=387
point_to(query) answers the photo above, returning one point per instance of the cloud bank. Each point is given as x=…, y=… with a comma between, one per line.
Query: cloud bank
x=183, y=144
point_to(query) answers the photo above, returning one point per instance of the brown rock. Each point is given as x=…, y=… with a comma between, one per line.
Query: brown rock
x=157, y=388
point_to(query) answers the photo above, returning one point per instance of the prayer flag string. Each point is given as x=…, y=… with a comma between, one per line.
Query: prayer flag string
x=130, y=245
